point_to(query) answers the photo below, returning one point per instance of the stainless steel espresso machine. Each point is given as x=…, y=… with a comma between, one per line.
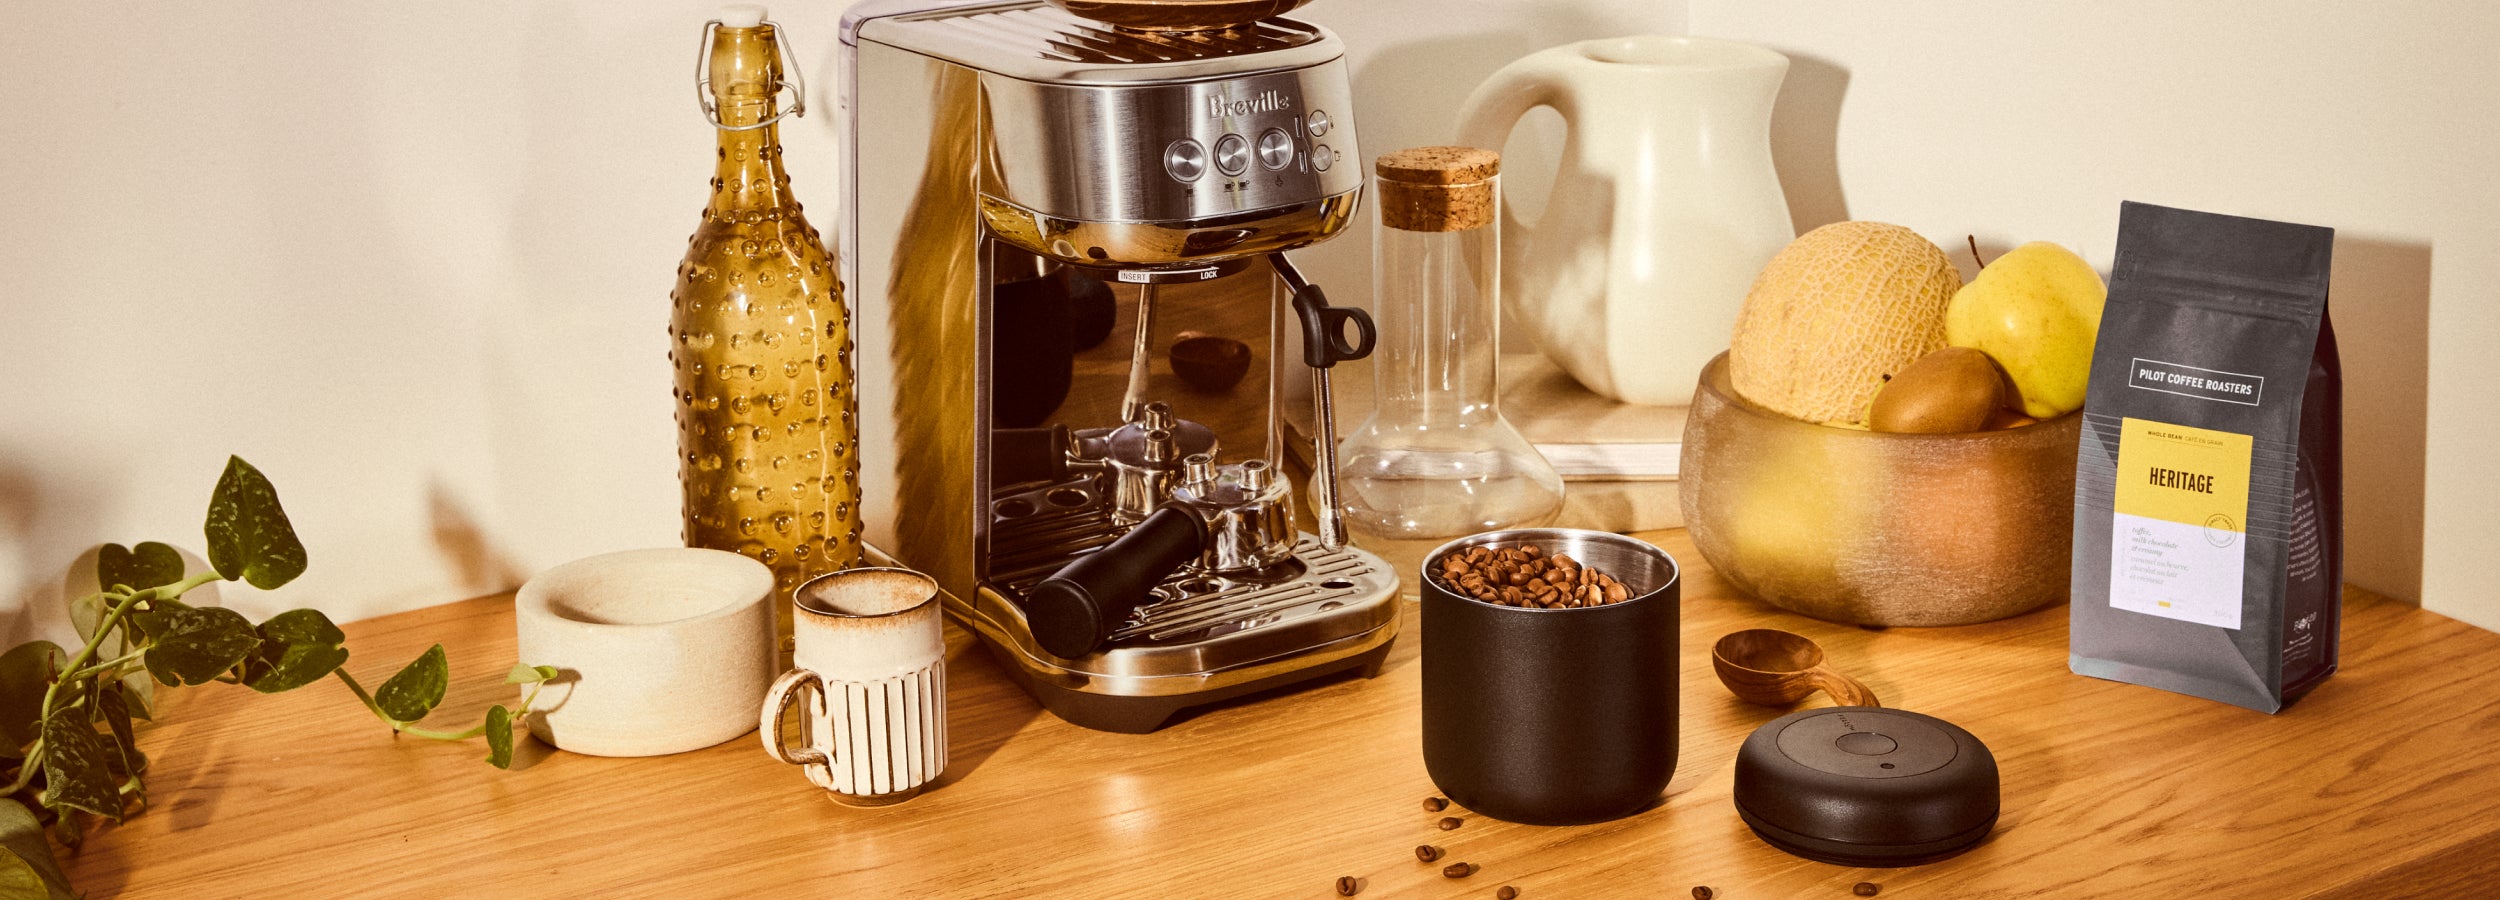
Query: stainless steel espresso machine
x=1123, y=539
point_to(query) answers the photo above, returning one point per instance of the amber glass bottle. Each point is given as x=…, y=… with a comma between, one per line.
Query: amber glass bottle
x=767, y=434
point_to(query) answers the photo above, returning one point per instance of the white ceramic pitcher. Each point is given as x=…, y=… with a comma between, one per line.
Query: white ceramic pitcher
x=1665, y=208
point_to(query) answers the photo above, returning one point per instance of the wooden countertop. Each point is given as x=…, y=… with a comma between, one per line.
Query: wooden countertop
x=2381, y=783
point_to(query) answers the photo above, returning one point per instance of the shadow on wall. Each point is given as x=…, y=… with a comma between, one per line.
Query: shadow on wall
x=476, y=567
x=2380, y=299
x=44, y=532
x=1805, y=129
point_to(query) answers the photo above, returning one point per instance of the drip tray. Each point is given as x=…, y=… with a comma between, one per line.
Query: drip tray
x=1204, y=639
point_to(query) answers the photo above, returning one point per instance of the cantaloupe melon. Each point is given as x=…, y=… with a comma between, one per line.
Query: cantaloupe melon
x=1840, y=309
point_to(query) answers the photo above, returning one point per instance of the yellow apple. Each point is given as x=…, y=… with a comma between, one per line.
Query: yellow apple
x=2034, y=310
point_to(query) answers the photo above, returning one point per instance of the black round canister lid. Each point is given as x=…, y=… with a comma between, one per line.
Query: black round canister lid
x=1864, y=786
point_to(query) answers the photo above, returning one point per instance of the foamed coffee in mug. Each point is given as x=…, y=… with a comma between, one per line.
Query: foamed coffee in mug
x=871, y=665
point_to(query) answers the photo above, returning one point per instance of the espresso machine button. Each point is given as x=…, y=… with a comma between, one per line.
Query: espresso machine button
x=1320, y=123
x=1322, y=157
x=1185, y=160
x=1275, y=149
x=1232, y=154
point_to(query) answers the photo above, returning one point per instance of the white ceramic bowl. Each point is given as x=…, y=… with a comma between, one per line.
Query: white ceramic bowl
x=659, y=651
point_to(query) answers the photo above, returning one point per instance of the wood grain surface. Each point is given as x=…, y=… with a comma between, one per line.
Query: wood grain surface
x=2381, y=783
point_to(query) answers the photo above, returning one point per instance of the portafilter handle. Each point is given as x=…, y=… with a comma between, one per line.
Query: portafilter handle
x=1074, y=611
x=1324, y=345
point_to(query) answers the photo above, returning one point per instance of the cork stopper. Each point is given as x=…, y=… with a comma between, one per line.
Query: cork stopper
x=1437, y=188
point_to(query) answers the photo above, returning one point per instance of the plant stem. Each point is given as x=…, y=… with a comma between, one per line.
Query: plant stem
x=413, y=730
x=431, y=734
x=366, y=698
x=102, y=631
x=397, y=725
x=103, y=667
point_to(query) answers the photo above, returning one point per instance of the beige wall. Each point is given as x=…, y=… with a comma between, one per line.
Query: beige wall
x=412, y=260
x=2031, y=121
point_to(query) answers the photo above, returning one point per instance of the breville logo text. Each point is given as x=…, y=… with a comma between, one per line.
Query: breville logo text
x=1266, y=101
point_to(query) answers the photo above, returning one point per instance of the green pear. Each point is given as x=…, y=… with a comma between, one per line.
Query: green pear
x=2035, y=310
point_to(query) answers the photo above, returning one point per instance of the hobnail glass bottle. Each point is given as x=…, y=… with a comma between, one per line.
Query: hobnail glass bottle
x=1436, y=460
x=767, y=433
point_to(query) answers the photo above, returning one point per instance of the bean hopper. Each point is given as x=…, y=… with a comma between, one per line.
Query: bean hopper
x=1123, y=541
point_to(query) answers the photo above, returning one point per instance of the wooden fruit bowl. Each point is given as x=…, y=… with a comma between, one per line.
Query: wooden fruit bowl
x=1879, y=529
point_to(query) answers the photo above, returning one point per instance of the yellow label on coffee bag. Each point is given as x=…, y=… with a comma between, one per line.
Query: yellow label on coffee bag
x=2176, y=473
x=2181, y=513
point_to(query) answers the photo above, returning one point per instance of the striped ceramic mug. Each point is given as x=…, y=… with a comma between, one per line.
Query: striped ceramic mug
x=872, y=657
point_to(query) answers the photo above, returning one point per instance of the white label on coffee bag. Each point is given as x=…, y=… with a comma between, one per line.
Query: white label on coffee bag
x=2184, y=572
x=2179, y=521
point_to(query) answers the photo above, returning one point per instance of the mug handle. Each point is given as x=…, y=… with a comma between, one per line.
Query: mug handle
x=777, y=702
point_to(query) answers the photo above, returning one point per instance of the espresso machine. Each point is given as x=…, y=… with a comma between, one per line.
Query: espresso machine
x=1116, y=528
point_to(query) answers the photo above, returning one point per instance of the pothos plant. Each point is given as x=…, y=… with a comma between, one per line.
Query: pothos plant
x=67, y=745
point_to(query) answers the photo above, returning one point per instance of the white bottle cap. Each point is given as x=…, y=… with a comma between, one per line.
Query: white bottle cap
x=742, y=15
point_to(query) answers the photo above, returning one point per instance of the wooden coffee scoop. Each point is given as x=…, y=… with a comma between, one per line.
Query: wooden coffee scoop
x=1776, y=668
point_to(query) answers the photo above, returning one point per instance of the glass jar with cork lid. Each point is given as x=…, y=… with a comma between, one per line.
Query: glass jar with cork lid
x=1436, y=460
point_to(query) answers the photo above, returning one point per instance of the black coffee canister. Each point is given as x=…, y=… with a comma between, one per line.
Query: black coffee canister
x=1553, y=716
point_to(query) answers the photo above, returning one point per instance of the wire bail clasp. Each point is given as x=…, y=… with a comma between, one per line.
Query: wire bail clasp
x=795, y=81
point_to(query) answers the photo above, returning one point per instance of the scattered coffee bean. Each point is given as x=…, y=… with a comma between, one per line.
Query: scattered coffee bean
x=1458, y=870
x=1702, y=892
x=1427, y=852
x=1347, y=886
x=1866, y=889
x=1435, y=804
x=1506, y=893
x=1526, y=576
x=1451, y=823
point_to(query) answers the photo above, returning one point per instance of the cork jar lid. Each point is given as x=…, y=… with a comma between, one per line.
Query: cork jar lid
x=1437, y=188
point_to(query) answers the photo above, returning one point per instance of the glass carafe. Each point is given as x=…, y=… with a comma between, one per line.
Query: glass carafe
x=1436, y=460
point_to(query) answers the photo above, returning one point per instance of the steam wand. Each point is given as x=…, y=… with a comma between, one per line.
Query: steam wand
x=1323, y=346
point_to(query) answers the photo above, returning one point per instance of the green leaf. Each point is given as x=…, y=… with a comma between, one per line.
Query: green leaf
x=249, y=536
x=26, y=672
x=297, y=647
x=21, y=834
x=87, y=614
x=195, y=644
x=137, y=568
x=75, y=774
x=116, y=714
x=529, y=674
x=499, y=737
x=18, y=879
x=412, y=693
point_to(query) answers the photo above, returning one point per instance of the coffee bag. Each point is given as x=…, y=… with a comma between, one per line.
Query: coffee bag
x=2208, y=551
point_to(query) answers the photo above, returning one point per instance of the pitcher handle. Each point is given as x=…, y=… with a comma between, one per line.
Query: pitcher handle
x=1487, y=117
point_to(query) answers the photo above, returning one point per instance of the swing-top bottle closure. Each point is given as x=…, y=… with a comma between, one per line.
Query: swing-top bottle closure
x=747, y=21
